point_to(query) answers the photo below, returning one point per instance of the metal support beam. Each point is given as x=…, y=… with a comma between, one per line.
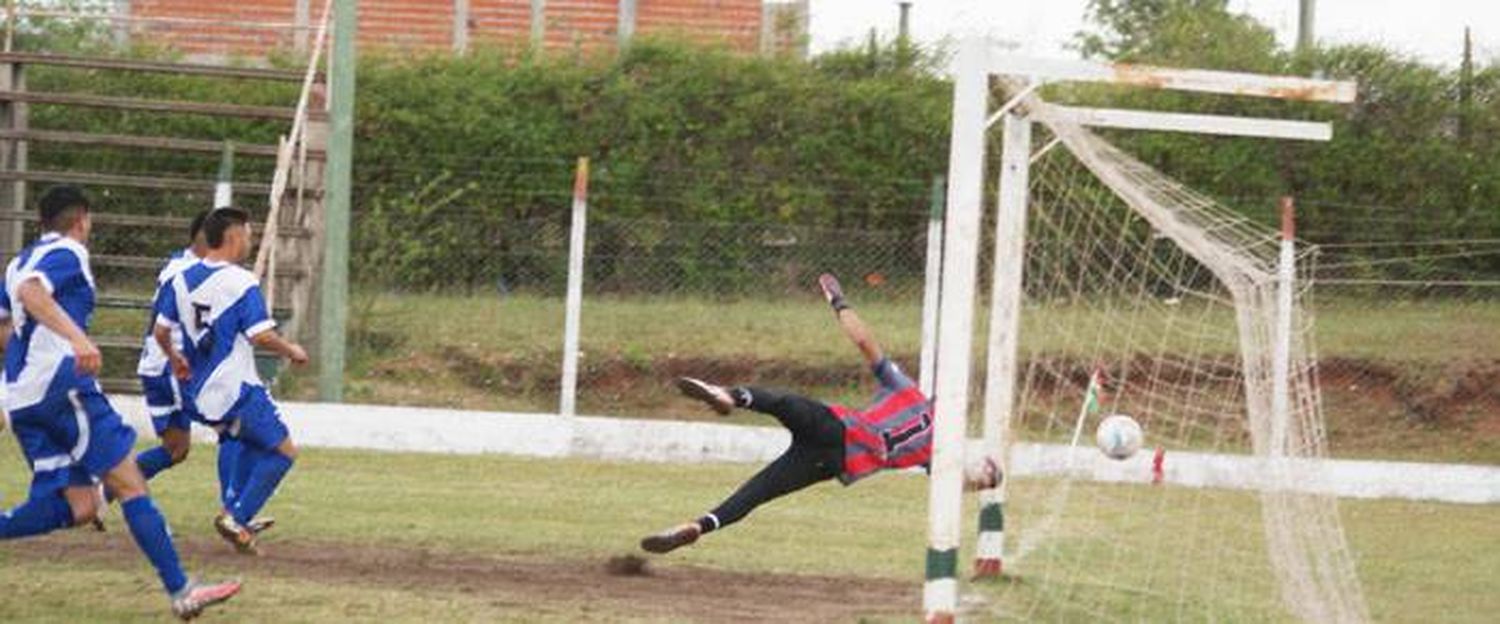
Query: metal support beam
x=15, y=155
x=120, y=30
x=1010, y=104
x=460, y=26
x=626, y=26
x=538, y=24
x=1185, y=122
x=300, y=28
x=1306, y=37
x=334, y=284
x=1196, y=80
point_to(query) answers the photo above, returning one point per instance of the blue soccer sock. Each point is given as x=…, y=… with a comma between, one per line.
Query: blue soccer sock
x=230, y=451
x=244, y=465
x=153, y=461
x=36, y=516
x=270, y=468
x=150, y=531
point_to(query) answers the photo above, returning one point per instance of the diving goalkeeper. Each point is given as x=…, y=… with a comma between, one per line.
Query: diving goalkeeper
x=828, y=441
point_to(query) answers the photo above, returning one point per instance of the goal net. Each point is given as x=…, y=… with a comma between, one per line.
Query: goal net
x=1145, y=298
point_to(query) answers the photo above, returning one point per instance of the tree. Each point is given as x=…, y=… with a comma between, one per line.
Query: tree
x=1197, y=33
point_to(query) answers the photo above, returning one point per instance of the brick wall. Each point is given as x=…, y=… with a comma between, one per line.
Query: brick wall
x=429, y=24
x=734, y=21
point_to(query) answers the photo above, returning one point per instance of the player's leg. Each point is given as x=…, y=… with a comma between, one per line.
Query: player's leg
x=230, y=450
x=46, y=509
x=800, y=466
x=808, y=419
x=266, y=455
x=170, y=420
x=107, y=455
x=51, y=504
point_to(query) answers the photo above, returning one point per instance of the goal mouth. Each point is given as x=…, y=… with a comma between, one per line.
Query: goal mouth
x=1116, y=290
x=1145, y=298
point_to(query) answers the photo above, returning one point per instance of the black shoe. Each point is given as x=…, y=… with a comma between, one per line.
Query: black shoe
x=672, y=539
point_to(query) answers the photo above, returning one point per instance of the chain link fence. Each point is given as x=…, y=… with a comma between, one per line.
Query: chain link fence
x=729, y=301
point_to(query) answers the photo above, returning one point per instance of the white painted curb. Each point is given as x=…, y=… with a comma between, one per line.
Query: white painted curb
x=384, y=428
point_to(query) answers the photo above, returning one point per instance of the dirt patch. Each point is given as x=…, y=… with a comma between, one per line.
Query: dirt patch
x=676, y=592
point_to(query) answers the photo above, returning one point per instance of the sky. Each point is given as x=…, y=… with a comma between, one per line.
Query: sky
x=1429, y=29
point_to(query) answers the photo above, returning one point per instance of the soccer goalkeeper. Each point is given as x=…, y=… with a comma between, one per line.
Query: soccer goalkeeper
x=828, y=441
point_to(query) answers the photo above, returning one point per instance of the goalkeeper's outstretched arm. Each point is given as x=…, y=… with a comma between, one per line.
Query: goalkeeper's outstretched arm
x=850, y=322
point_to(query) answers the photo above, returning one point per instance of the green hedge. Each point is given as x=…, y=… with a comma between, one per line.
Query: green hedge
x=463, y=166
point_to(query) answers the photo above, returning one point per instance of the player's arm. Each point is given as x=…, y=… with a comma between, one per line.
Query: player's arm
x=6, y=323
x=272, y=340
x=38, y=301
x=260, y=329
x=853, y=327
x=165, y=308
x=162, y=334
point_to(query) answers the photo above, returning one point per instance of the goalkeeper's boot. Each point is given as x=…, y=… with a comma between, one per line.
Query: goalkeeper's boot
x=242, y=539
x=716, y=397
x=190, y=601
x=672, y=539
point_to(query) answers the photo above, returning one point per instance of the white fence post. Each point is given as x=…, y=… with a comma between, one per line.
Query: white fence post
x=567, y=406
x=1281, y=363
x=926, y=373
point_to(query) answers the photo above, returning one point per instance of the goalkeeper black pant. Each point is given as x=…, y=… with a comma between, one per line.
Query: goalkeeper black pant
x=816, y=453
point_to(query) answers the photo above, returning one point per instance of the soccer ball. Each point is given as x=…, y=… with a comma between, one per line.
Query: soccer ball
x=981, y=473
x=1119, y=436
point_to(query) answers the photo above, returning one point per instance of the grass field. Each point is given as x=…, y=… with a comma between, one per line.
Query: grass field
x=416, y=537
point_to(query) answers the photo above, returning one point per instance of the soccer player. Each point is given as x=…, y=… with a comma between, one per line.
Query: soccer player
x=828, y=441
x=223, y=317
x=171, y=416
x=67, y=429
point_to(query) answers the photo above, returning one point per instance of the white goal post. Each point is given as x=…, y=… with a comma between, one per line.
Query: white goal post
x=976, y=62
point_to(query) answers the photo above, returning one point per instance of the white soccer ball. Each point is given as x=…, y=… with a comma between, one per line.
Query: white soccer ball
x=1119, y=436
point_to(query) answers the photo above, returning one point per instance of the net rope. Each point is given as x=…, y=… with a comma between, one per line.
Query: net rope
x=1170, y=298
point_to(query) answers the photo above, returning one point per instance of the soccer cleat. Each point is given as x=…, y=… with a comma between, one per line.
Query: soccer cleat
x=260, y=525
x=716, y=397
x=242, y=539
x=832, y=291
x=189, y=602
x=671, y=539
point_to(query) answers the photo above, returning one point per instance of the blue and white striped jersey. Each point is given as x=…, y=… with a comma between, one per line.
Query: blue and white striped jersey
x=36, y=357
x=153, y=360
x=219, y=307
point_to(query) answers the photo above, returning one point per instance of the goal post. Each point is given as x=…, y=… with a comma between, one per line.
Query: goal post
x=1189, y=309
x=955, y=329
x=1004, y=330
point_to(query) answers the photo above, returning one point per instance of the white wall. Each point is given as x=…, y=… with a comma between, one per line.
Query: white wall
x=382, y=428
